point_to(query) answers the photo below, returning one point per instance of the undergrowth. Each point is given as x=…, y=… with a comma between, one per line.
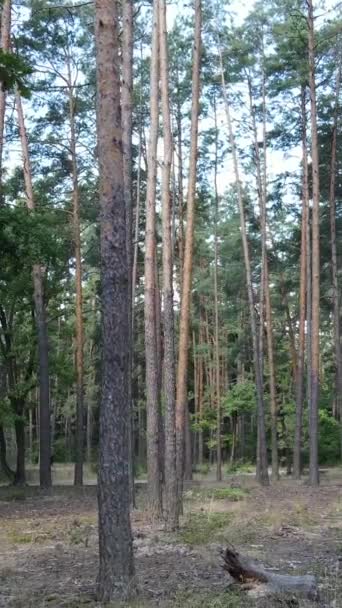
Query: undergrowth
x=232, y=494
x=202, y=528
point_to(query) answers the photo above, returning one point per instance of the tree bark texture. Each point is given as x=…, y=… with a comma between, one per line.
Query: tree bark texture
x=168, y=317
x=152, y=374
x=313, y=410
x=302, y=301
x=184, y=326
x=127, y=105
x=116, y=568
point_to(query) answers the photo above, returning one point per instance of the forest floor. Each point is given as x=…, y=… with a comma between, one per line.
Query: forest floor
x=48, y=544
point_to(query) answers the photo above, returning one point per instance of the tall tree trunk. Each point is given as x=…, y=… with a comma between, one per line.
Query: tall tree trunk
x=262, y=469
x=152, y=380
x=3, y=456
x=19, y=427
x=308, y=309
x=217, y=331
x=268, y=305
x=40, y=319
x=334, y=269
x=127, y=105
x=79, y=354
x=265, y=297
x=187, y=447
x=116, y=568
x=137, y=207
x=313, y=425
x=200, y=392
x=180, y=184
x=168, y=318
x=302, y=301
x=184, y=327
x=5, y=43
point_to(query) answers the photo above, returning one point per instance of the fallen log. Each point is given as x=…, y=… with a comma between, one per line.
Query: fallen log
x=260, y=581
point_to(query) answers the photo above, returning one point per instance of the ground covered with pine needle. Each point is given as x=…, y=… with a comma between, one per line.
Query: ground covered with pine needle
x=48, y=544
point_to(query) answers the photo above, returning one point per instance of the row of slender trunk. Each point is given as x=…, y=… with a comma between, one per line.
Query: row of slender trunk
x=38, y=277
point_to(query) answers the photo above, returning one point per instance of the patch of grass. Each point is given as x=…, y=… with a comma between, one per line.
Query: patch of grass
x=79, y=532
x=13, y=493
x=232, y=494
x=240, y=467
x=201, y=528
x=229, y=599
x=202, y=469
x=20, y=538
x=30, y=536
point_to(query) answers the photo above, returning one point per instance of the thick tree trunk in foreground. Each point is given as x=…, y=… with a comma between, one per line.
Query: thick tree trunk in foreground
x=126, y=96
x=116, y=568
x=40, y=319
x=184, y=326
x=313, y=424
x=256, y=577
x=302, y=303
x=169, y=347
x=262, y=466
x=152, y=374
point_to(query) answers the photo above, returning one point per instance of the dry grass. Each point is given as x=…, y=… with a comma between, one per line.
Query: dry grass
x=48, y=547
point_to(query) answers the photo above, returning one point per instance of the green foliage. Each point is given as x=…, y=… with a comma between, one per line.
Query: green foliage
x=14, y=71
x=329, y=438
x=240, y=399
x=240, y=467
x=201, y=528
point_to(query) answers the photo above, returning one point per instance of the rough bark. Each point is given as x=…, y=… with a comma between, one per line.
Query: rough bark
x=127, y=104
x=152, y=375
x=184, y=327
x=40, y=319
x=116, y=568
x=168, y=316
x=302, y=301
x=262, y=469
x=313, y=424
x=253, y=574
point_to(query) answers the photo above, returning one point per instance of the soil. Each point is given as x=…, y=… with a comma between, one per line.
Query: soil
x=48, y=544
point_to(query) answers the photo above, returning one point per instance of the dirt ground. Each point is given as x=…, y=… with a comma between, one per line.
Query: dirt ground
x=48, y=545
